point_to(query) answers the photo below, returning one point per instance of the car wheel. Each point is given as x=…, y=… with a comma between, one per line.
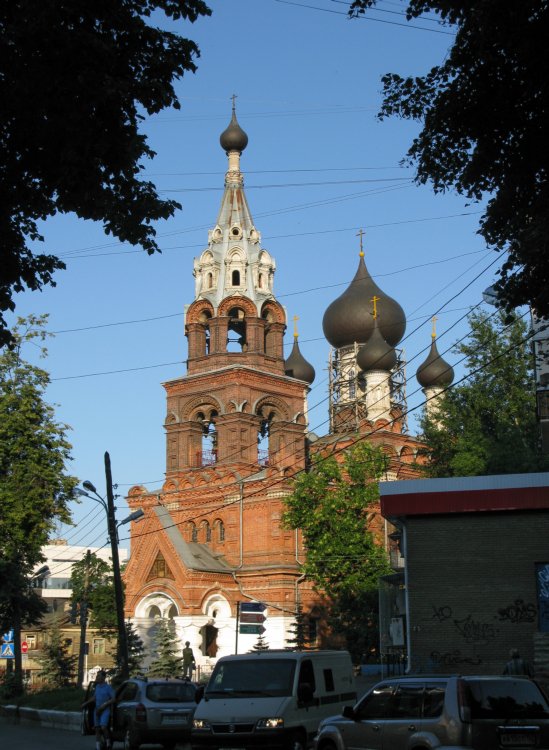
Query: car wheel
x=297, y=742
x=131, y=739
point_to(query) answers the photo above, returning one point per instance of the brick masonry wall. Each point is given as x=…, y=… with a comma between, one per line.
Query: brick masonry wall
x=472, y=589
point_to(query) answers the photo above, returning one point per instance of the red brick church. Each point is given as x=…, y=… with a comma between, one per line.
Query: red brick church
x=237, y=433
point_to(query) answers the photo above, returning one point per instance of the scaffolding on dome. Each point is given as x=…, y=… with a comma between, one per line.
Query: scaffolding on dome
x=347, y=390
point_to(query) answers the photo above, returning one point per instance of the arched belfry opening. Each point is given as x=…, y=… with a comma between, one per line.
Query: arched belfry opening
x=205, y=318
x=264, y=442
x=236, y=335
x=208, y=449
x=198, y=329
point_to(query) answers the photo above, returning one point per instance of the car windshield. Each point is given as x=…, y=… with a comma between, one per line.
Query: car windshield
x=266, y=677
x=170, y=692
x=506, y=699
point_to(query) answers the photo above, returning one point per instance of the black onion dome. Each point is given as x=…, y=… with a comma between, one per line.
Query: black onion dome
x=233, y=138
x=434, y=371
x=377, y=354
x=296, y=366
x=349, y=318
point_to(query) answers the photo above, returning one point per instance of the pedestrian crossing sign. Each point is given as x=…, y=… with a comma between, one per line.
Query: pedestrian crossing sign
x=6, y=651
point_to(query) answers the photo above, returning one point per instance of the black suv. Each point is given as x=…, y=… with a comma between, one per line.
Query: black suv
x=427, y=712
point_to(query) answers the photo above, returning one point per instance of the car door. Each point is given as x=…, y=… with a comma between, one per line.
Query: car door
x=87, y=720
x=365, y=731
x=403, y=716
x=122, y=710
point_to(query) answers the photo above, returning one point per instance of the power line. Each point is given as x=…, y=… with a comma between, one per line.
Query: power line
x=280, y=296
x=274, y=171
x=367, y=18
x=179, y=362
x=336, y=451
x=324, y=400
x=72, y=253
x=323, y=183
x=275, y=212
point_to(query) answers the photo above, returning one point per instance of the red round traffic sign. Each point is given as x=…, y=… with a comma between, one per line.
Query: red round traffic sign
x=24, y=647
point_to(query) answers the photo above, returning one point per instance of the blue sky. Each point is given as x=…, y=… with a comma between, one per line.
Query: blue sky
x=318, y=167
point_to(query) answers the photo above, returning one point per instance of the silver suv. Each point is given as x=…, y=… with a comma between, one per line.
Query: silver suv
x=423, y=713
x=158, y=710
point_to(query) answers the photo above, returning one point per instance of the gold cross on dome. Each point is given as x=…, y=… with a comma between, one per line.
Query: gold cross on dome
x=361, y=234
x=296, y=318
x=434, y=330
x=375, y=300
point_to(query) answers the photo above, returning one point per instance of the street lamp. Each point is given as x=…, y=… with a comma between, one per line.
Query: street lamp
x=112, y=525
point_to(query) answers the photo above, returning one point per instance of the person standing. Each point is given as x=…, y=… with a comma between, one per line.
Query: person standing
x=103, y=698
x=517, y=665
x=188, y=661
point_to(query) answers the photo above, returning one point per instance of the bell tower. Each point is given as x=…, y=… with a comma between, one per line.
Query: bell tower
x=236, y=391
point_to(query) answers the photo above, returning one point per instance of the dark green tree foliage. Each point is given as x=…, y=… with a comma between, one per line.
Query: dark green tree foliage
x=330, y=505
x=136, y=650
x=261, y=643
x=299, y=632
x=136, y=655
x=487, y=424
x=35, y=489
x=17, y=596
x=92, y=582
x=357, y=616
x=167, y=662
x=58, y=667
x=485, y=116
x=76, y=79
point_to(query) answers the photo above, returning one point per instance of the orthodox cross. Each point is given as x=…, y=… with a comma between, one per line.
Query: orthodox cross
x=296, y=318
x=233, y=97
x=361, y=234
x=375, y=300
x=434, y=322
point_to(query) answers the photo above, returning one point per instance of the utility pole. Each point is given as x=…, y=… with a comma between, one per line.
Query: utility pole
x=83, y=621
x=237, y=627
x=118, y=591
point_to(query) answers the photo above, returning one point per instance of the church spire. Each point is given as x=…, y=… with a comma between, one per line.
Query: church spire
x=234, y=263
x=233, y=141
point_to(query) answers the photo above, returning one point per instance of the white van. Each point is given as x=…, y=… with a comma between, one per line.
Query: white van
x=273, y=700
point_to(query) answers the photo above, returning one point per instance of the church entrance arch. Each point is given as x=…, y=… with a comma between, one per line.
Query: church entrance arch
x=218, y=613
x=150, y=610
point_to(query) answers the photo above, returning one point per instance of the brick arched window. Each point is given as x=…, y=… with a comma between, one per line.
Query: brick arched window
x=192, y=532
x=206, y=531
x=220, y=529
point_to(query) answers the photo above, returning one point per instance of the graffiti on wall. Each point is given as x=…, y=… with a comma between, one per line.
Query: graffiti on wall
x=453, y=658
x=542, y=581
x=517, y=612
x=440, y=614
x=475, y=631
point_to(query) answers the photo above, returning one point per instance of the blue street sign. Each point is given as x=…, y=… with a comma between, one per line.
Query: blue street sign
x=6, y=651
x=252, y=607
x=8, y=637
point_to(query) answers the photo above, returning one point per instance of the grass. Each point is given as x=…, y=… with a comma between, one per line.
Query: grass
x=59, y=699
